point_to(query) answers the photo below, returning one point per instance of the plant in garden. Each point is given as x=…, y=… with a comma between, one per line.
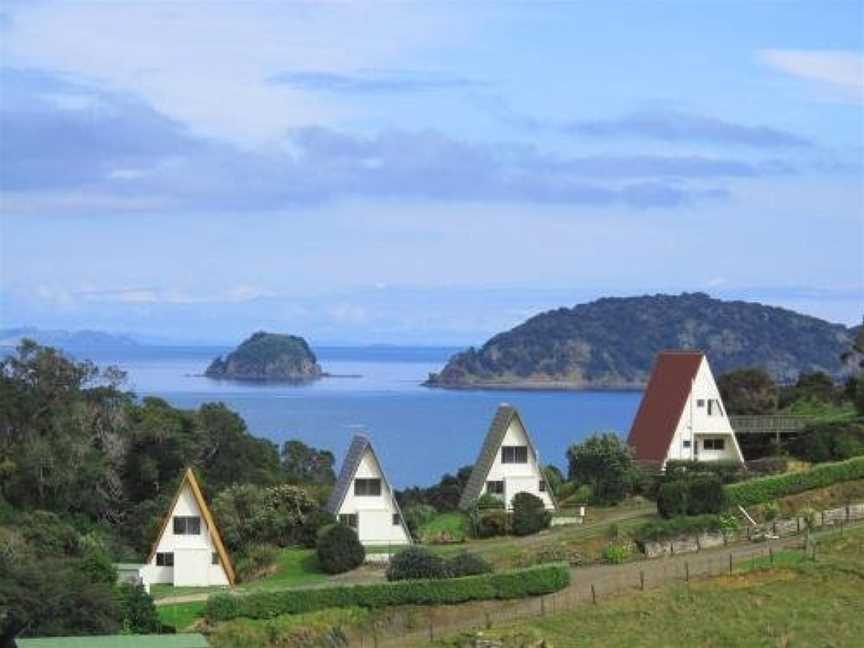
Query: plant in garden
x=416, y=562
x=339, y=550
x=617, y=551
x=604, y=462
x=491, y=523
x=529, y=514
x=468, y=564
x=312, y=525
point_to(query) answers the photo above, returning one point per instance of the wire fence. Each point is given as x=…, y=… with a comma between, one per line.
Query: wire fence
x=588, y=587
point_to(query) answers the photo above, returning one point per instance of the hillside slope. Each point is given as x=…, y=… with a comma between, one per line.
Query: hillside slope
x=611, y=343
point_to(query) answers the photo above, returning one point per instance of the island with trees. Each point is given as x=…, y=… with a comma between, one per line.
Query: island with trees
x=611, y=343
x=268, y=357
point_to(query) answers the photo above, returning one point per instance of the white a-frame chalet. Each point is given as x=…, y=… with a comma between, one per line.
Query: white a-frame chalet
x=188, y=550
x=508, y=464
x=364, y=500
x=682, y=415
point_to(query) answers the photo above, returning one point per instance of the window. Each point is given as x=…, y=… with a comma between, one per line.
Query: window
x=348, y=519
x=214, y=558
x=700, y=402
x=686, y=443
x=514, y=454
x=714, y=444
x=714, y=408
x=542, y=485
x=495, y=487
x=187, y=525
x=165, y=559
x=397, y=519
x=367, y=487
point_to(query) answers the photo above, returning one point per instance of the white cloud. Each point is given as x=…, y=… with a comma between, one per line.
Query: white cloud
x=208, y=65
x=841, y=69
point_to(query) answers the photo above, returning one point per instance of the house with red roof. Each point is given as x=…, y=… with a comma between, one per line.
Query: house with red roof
x=681, y=415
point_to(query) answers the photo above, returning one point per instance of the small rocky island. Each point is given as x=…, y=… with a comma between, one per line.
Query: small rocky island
x=269, y=357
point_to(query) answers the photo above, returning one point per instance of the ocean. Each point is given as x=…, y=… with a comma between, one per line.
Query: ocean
x=419, y=433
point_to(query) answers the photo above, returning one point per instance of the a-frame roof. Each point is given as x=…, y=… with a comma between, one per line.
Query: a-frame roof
x=190, y=480
x=489, y=450
x=359, y=445
x=662, y=404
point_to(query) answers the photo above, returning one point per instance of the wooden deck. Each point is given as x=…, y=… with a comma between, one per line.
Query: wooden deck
x=775, y=426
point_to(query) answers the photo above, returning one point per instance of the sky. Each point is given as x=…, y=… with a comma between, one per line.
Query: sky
x=422, y=173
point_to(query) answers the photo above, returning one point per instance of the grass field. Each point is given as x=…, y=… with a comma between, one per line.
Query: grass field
x=453, y=525
x=180, y=615
x=794, y=602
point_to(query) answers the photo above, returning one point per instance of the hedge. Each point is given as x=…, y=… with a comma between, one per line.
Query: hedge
x=517, y=583
x=766, y=489
x=677, y=526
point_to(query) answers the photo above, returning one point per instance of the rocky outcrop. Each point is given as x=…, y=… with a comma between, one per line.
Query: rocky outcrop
x=268, y=357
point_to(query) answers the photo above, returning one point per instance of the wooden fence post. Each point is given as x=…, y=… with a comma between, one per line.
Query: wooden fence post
x=542, y=606
x=642, y=580
x=593, y=594
x=771, y=555
x=686, y=571
x=730, y=564
x=488, y=620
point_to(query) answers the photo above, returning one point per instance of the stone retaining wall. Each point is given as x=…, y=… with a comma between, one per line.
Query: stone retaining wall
x=782, y=527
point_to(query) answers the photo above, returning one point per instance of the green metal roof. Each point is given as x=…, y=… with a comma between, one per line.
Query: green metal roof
x=186, y=640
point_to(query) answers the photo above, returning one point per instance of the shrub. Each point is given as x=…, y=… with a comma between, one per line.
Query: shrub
x=416, y=562
x=617, y=552
x=829, y=442
x=728, y=471
x=491, y=523
x=489, y=501
x=768, y=465
x=681, y=525
x=339, y=549
x=672, y=498
x=766, y=489
x=418, y=515
x=137, y=609
x=578, y=495
x=312, y=525
x=529, y=514
x=545, y=555
x=706, y=495
x=604, y=462
x=518, y=583
x=255, y=560
x=468, y=564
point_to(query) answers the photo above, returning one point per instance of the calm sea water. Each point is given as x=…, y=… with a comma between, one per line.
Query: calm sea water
x=419, y=433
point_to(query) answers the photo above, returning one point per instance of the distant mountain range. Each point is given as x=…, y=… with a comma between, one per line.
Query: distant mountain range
x=65, y=339
x=611, y=343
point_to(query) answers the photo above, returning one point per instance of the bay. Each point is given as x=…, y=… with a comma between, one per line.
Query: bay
x=419, y=433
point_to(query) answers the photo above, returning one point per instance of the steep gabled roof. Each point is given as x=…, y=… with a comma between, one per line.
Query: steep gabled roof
x=489, y=450
x=359, y=445
x=224, y=558
x=662, y=404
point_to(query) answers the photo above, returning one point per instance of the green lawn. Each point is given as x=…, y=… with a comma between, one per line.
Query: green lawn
x=795, y=602
x=453, y=525
x=180, y=615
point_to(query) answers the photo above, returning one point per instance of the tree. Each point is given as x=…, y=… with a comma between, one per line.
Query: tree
x=303, y=464
x=603, y=461
x=139, y=615
x=748, y=391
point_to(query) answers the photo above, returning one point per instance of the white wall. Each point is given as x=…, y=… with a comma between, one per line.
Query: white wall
x=517, y=478
x=192, y=553
x=374, y=513
x=696, y=424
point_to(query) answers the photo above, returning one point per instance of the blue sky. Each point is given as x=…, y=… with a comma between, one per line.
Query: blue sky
x=423, y=172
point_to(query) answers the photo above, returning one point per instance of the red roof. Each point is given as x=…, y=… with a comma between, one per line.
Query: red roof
x=662, y=404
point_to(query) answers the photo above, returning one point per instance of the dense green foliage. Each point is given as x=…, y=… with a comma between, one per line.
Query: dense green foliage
x=443, y=496
x=748, y=391
x=529, y=514
x=250, y=514
x=491, y=523
x=303, y=464
x=313, y=523
x=677, y=526
x=617, y=551
x=691, y=488
x=765, y=489
x=417, y=562
x=726, y=470
x=339, y=550
x=613, y=342
x=268, y=356
x=833, y=441
x=519, y=583
x=137, y=609
x=416, y=516
x=466, y=563
x=603, y=462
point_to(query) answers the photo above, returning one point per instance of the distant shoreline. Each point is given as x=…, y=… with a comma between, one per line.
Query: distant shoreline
x=536, y=386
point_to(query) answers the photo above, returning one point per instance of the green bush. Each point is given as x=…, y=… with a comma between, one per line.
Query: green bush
x=529, y=514
x=468, y=564
x=835, y=441
x=727, y=471
x=489, y=501
x=519, y=583
x=254, y=560
x=137, y=609
x=672, y=498
x=766, y=489
x=417, y=516
x=491, y=523
x=681, y=525
x=706, y=495
x=416, y=562
x=312, y=525
x=339, y=550
x=617, y=552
